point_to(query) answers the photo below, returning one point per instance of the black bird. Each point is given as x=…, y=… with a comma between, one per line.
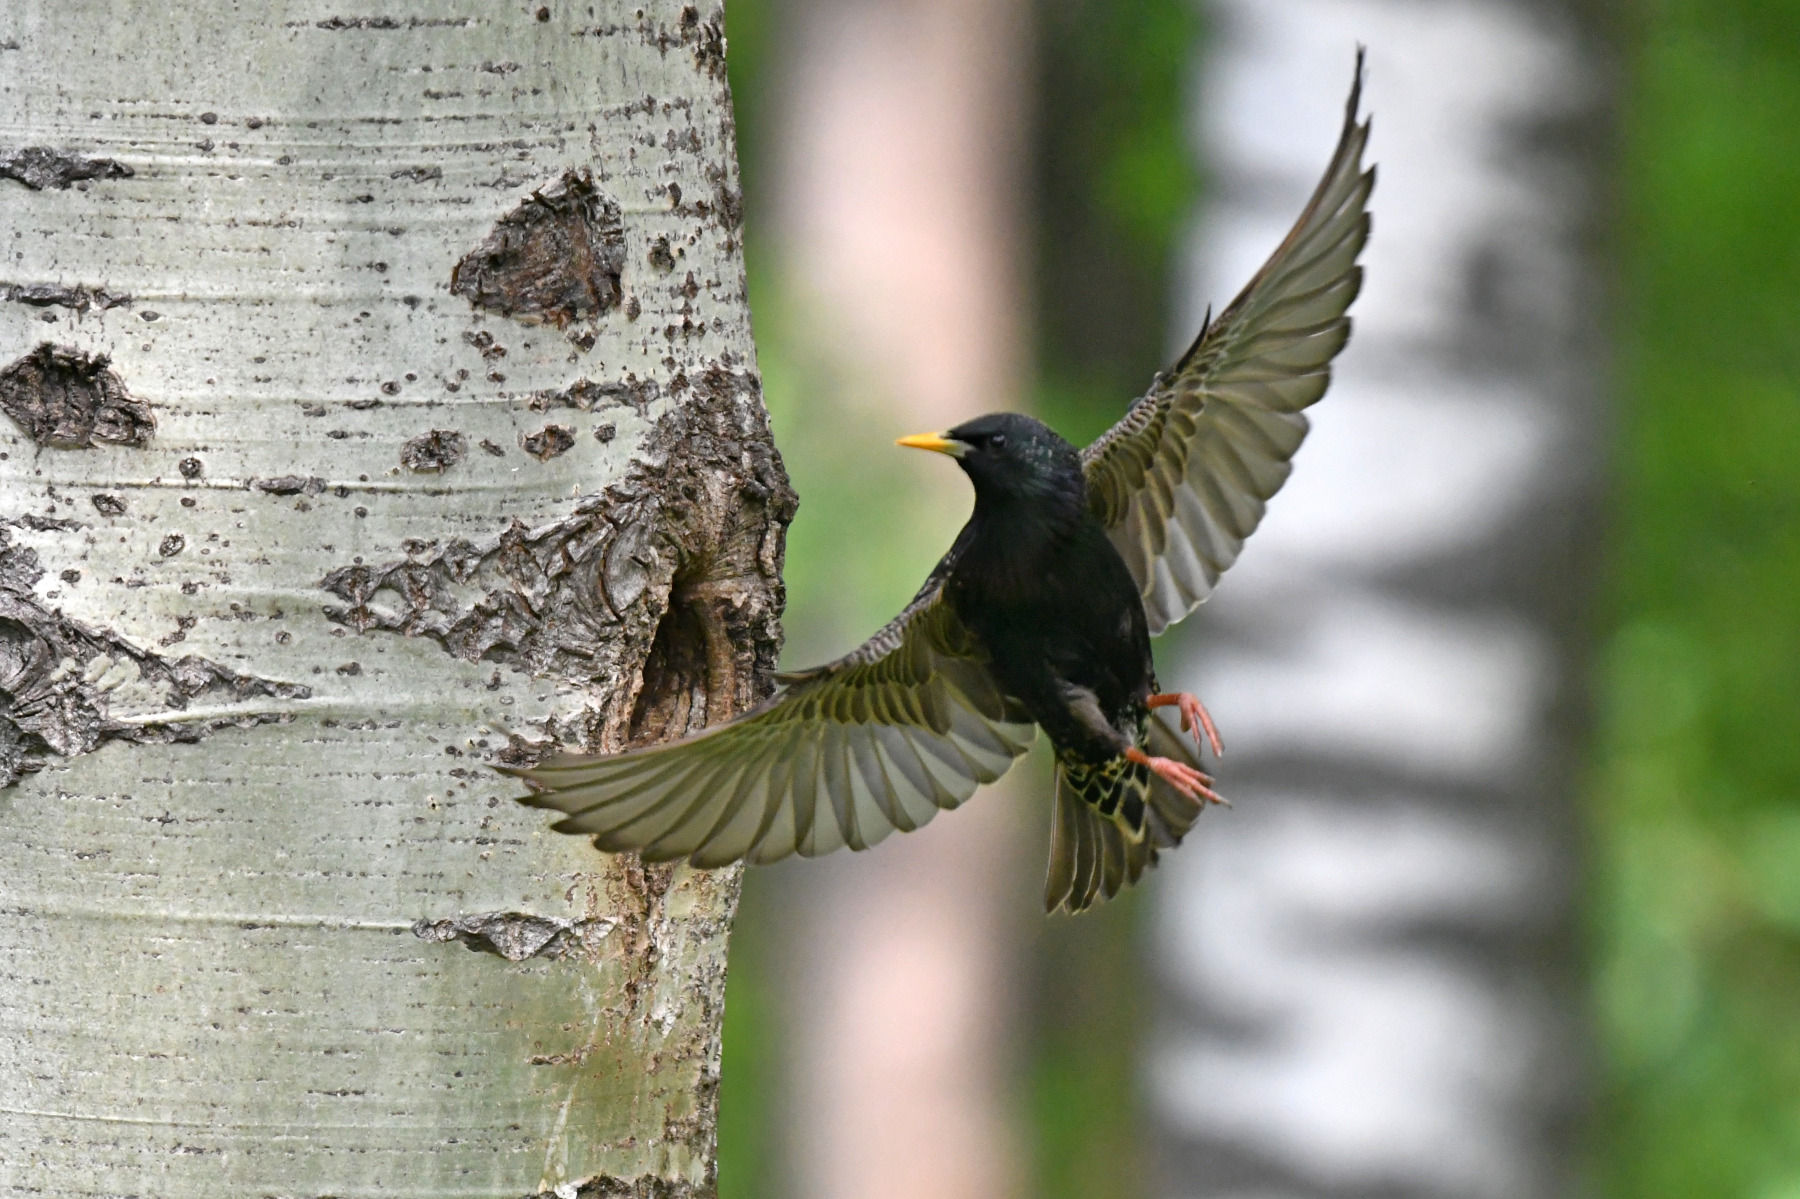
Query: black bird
x=1040, y=614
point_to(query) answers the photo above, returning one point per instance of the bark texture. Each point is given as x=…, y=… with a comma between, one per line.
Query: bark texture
x=382, y=405
x=1370, y=967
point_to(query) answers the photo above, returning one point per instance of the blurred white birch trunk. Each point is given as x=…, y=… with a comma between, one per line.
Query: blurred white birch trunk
x=295, y=534
x=1369, y=967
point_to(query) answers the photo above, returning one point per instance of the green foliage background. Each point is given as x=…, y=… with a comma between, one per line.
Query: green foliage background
x=1694, y=801
x=1696, y=798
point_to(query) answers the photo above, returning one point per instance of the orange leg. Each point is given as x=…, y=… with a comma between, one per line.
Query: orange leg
x=1179, y=775
x=1194, y=717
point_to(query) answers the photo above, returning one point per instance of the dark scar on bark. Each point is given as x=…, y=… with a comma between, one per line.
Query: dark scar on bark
x=548, y=442
x=68, y=400
x=55, y=695
x=39, y=167
x=704, y=36
x=291, y=485
x=707, y=38
x=438, y=450
x=661, y=257
x=690, y=538
x=643, y=1186
x=555, y=259
x=584, y=395
x=48, y=295
x=516, y=936
x=335, y=24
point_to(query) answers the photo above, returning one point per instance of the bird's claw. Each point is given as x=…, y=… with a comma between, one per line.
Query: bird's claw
x=1195, y=718
x=1195, y=784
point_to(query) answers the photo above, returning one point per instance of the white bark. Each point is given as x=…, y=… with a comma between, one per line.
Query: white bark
x=1368, y=965
x=268, y=922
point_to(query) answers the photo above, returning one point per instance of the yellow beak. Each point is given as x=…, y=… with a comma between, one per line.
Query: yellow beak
x=934, y=441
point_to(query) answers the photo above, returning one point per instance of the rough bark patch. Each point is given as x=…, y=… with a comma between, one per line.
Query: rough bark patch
x=335, y=24
x=705, y=37
x=608, y=1186
x=291, y=485
x=728, y=199
x=661, y=256
x=584, y=395
x=47, y=295
x=435, y=451
x=66, y=689
x=697, y=524
x=548, y=442
x=556, y=258
x=38, y=167
x=68, y=400
x=516, y=936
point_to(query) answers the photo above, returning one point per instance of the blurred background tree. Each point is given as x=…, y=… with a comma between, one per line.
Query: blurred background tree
x=1693, y=894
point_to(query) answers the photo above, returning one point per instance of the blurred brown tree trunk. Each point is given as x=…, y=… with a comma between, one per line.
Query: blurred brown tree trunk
x=1369, y=968
x=896, y=152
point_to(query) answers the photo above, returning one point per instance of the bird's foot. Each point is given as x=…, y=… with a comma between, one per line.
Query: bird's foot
x=1194, y=717
x=1194, y=784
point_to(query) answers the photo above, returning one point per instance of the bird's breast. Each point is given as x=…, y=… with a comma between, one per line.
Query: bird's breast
x=1066, y=612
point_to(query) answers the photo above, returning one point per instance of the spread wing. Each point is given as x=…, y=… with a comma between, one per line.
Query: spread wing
x=881, y=739
x=1183, y=478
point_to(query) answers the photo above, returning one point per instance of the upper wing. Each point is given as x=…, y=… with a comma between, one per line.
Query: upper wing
x=1183, y=478
x=843, y=754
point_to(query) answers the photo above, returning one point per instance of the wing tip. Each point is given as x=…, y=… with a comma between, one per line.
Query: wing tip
x=1358, y=125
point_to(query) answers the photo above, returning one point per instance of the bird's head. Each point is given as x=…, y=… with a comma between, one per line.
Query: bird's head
x=1011, y=458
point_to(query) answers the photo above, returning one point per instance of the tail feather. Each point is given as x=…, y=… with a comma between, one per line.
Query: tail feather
x=1095, y=856
x=1059, y=882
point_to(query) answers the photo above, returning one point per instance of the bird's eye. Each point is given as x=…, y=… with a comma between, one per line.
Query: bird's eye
x=997, y=441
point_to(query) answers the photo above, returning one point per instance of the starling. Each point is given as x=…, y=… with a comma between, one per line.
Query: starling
x=1040, y=615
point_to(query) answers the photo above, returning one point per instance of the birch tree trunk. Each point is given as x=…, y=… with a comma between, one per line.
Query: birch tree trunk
x=1370, y=970
x=382, y=406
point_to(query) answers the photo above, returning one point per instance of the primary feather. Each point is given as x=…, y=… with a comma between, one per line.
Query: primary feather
x=1184, y=478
